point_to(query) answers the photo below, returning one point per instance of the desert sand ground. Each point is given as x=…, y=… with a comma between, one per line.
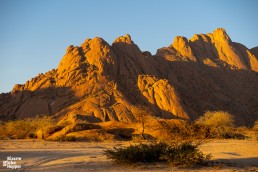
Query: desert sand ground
x=227, y=155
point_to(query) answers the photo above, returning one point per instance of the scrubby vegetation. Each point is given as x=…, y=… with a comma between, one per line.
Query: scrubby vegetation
x=137, y=153
x=27, y=128
x=185, y=154
x=172, y=141
x=179, y=154
x=177, y=142
x=175, y=132
x=212, y=125
x=220, y=124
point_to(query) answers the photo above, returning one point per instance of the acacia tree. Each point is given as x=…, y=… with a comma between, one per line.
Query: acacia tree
x=141, y=115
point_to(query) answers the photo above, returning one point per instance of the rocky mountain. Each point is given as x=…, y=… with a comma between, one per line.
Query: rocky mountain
x=98, y=82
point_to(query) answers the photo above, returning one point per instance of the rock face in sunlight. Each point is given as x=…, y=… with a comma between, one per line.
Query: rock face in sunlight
x=161, y=93
x=214, y=49
x=99, y=82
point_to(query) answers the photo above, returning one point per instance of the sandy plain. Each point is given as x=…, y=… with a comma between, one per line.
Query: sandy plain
x=227, y=155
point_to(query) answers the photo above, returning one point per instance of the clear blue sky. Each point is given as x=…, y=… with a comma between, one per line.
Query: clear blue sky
x=34, y=34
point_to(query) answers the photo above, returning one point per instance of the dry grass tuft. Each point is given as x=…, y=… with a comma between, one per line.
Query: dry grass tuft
x=25, y=128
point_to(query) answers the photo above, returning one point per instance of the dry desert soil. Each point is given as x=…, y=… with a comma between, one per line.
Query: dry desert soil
x=227, y=155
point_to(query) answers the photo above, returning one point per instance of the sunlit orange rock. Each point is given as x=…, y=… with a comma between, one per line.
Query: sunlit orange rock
x=162, y=94
x=98, y=82
x=214, y=49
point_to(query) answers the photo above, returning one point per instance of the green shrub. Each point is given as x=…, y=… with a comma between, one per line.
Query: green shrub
x=182, y=154
x=137, y=153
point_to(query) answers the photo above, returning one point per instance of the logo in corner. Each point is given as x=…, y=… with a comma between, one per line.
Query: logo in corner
x=11, y=162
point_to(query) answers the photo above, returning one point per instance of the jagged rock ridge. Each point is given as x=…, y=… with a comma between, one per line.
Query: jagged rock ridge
x=101, y=82
x=213, y=49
